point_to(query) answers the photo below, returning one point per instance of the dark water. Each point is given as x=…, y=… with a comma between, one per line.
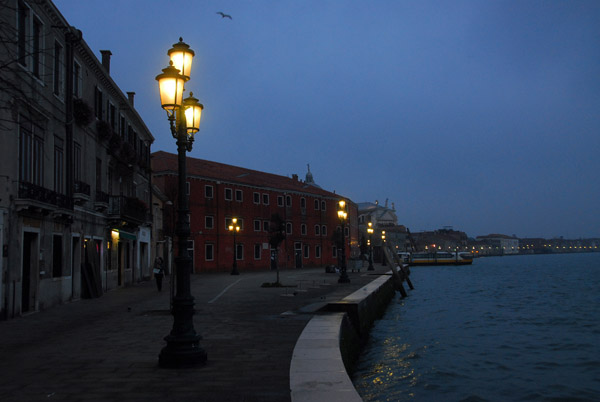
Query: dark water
x=519, y=328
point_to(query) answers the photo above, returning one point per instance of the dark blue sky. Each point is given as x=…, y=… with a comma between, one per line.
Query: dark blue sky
x=481, y=115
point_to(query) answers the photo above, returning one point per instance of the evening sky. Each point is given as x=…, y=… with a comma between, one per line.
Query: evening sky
x=480, y=115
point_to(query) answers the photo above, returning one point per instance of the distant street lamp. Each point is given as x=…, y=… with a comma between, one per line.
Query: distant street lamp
x=383, y=247
x=370, y=232
x=234, y=227
x=183, y=343
x=343, y=215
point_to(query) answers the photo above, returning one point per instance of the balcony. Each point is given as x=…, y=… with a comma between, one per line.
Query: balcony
x=127, y=209
x=81, y=192
x=101, y=202
x=40, y=199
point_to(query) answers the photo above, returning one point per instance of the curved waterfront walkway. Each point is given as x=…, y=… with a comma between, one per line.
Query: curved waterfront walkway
x=106, y=349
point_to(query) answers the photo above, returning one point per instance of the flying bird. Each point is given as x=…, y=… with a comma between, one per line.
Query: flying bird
x=223, y=15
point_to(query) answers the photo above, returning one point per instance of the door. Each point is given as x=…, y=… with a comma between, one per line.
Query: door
x=298, y=254
x=29, y=271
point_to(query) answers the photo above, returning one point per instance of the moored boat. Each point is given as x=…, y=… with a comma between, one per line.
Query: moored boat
x=440, y=258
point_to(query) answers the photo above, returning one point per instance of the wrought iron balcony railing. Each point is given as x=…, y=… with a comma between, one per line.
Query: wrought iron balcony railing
x=37, y=193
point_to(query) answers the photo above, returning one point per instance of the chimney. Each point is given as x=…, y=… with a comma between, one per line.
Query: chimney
x=295, y=177
x=106, y=60
x=130, y=96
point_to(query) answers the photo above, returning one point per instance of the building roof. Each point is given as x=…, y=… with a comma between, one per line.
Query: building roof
x=165, y=162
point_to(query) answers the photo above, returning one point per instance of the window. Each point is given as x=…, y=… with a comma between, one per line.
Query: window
x=280, y=201
x=57, y=257
x=316, y=205
x=98, y=103
x=228, y=194
x=208, y=191
x=22, y=28
x=58, y=69
x=323, y=205
x=324, y=230
x=306, y=251
x=288, y=200
x=288, y=228
x=98, y=174
x=209, y=252
x=266, y=226
x=76, y=79
x=239, y=251
x=76, y=162
x=303, y=229
x=266, y=199
x=257, y=251
x=122, y=126
x=334, y=252
x=317, y=230
x=209, y=222
x=239, y=195
x=317, y=251
x=112, y=116
x=257, y=225
x=256, y=197
x=59, y=181
x=346, y=231
x=303, y=203
x=31, y=153
x=36, y=51
x=187, y=188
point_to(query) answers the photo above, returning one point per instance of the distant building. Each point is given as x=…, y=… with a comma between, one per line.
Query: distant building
x=383, y=219
x=75, y=172
x=220, y=192
x=498, y=244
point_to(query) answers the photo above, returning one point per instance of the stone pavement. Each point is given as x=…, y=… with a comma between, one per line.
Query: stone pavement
x=106, y=349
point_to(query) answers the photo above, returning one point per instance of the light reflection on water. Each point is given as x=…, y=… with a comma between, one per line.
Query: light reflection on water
x=507, y=328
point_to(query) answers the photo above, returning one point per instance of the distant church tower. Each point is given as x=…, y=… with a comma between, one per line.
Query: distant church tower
x=309, y=178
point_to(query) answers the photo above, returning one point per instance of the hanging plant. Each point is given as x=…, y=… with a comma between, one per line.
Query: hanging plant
x=104, y=130
x=127, y=153
x=82, y=113
x=114, y=144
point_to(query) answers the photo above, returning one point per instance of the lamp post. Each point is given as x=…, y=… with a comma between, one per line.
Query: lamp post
x=370, y=232
x=343, y=215
x=234, y=227
x=383, y=248
x=183, y=343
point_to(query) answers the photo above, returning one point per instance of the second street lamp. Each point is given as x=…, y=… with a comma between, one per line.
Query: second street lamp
x=370, y=232
x=383, y=248
x=343, y=215
x=183, y=343
x=234, y=227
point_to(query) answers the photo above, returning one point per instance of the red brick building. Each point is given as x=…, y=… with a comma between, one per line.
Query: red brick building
x=220, y=192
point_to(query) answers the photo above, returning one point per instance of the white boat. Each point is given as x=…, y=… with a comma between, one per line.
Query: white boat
x=440, y=258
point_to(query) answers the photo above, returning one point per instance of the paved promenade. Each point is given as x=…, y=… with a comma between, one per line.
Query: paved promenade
x=106, y=349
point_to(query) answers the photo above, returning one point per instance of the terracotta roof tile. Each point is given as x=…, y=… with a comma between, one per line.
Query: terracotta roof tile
x=167, y=162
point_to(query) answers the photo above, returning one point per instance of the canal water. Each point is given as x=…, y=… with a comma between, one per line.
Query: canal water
x=512, y=328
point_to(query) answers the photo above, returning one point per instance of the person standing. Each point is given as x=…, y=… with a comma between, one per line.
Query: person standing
x=159, y=272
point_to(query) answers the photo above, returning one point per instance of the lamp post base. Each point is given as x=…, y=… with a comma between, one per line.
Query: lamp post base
x=182, y=352
x=183, y=343
x=235, y=271
x=344, y=278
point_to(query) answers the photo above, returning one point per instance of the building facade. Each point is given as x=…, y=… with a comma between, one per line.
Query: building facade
x=75, y=176
x=218, y=193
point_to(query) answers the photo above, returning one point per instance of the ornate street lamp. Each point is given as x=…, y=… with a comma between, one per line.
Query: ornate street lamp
x=370, y=232
x=383, y=248
x=234, y=227
x=343, y=215
x=183, y=343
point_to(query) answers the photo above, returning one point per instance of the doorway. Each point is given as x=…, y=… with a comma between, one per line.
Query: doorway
x=30, y=247
x=298, y=254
